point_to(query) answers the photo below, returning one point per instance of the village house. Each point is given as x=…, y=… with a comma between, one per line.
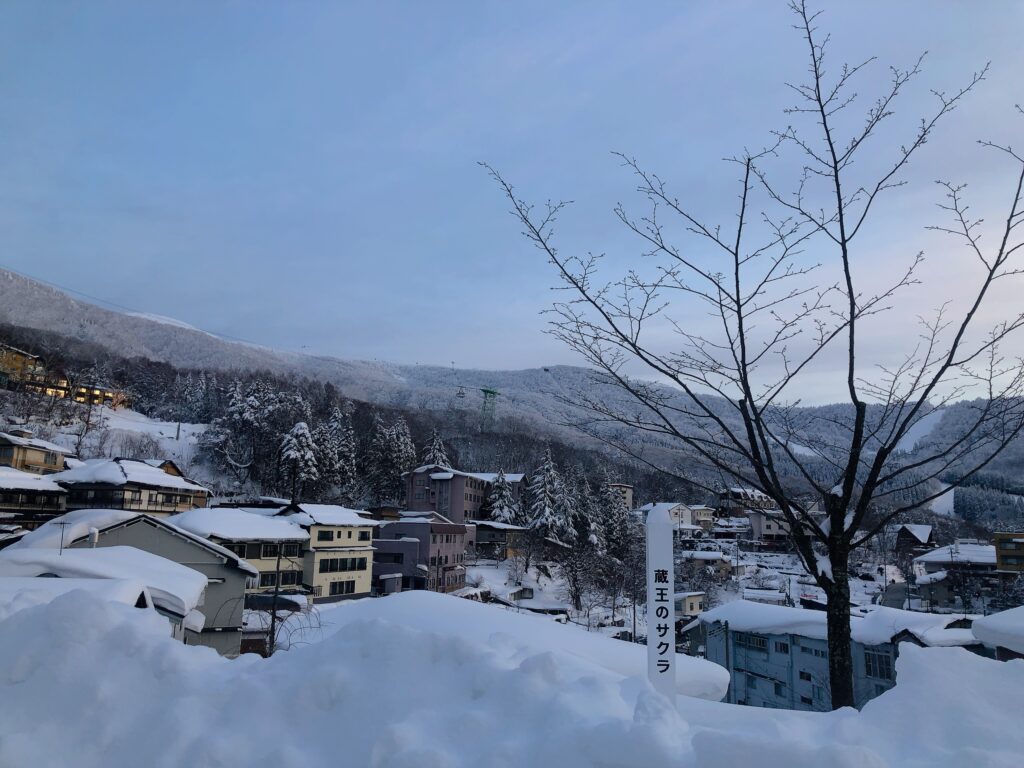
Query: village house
x=28, y=500
x=156, y=487
x=459, y=496
x=690, y=604
x=735, y=502
x=911, y=539
x=626, y=491
x=19, y=367
x=419, y=553
x=703, y=515
x=20, y=450
x=778, y=656
x=20, y=592
x=274, y=546
x=944, y=574
x=225, y=574
x=768, y=527
x=338, y=561
x=176, y=590
x=497, y=540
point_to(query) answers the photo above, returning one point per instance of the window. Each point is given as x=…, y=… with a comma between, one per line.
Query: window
x=290, y=578
x=878, y=665
x=349, y=534
x=805, y=676
x=364, y=535
x=291, y=550
x=780, y=689
x=754, y=642
x=781, y=647
x=806, y=700
x=342, y=587
x=269, y=550
x=268, y=579
x=751, y=682
x=325, y=535
x=336, y=564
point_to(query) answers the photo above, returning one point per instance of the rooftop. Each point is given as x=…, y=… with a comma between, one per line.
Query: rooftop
x=234, y=524
x=960, y=552
x=32, y=442
x=15, y=480
x=122, y=472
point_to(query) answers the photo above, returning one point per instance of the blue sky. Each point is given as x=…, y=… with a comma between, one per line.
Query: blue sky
x=304, y=175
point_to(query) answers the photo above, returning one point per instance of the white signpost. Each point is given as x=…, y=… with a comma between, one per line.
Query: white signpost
x=661, y=607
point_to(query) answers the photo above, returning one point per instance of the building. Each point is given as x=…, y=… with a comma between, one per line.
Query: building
x=20, y=592
x=20, y=450
x=226, y=574
x=768, y=527
x=703, y=515
x=1009, y=553
x=458, y=496
x=735, y=502
x=777, y=656
x=155, y=487
x=28, y=500
x=731, y=528
x=419, y=553
x=689, y=604
x=274, y=546
x=626, y=491
x=911, y=539
x=946, y=575
x=20, y=367
x=338, y=561
x=497, y=540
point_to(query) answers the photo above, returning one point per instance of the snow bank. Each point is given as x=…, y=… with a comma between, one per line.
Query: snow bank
x=19, y=593
x=522, y=634
x=91, y=683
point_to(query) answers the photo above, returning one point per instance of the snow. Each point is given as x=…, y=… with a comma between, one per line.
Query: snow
x=697, y=555
x=121, y=472
x=497, y=526
x=329, y=514
x=173, y=587
x=961, y=552
x=20, y=592
x=920, y=430
x=943, y=505
x=76, y=525
x=877, y=627
x=15, y=480
x=1004, y=629
x=920, y=532
x=931, y=578
x=91, y=683
x=237, y=525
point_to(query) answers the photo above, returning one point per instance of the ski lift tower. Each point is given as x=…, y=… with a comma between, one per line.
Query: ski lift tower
x=488, y=407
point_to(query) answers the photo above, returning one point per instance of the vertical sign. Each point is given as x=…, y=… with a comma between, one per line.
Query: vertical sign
x=661, y=609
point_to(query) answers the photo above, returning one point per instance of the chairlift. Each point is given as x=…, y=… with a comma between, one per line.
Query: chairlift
x=461, y=392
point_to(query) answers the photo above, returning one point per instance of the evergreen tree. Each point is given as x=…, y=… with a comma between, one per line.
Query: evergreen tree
x=435, y=452
x=404, y=456
x=503, y=505
x=298, y=458
x=548, y=511
x=617, y=524
x=379, y=467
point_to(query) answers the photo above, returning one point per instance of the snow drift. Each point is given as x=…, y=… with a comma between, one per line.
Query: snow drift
x=87, y=682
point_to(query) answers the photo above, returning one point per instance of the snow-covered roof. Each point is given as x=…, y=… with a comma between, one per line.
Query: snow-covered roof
x=497, y=526
x=961, y=552
x=15, y=480
x=122, y=472
x=931, y=578
x=20, y=592
x=1004, y=629
x=76, y=525
x=233, y=524
x=680, y=595
x=173, y=587
x=440, y=472
x=328, y=514
x=920, y=532
x=877, y=627
x=32, y=442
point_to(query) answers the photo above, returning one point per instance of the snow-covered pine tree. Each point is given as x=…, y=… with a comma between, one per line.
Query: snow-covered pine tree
x=547, y=510
x=503, y=505
x=435, y=452
x=379, y=467
x=345, y=440
x=404, y=448
x=616, y=523
x=298, y=458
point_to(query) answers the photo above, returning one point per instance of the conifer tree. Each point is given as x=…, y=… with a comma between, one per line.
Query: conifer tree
x=298, y=458
x=503, y=505
x=435, y=452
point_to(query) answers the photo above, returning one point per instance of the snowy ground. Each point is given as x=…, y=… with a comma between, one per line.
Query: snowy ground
x=405, y=682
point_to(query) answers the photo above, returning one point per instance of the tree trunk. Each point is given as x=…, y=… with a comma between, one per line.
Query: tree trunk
x=840, y=654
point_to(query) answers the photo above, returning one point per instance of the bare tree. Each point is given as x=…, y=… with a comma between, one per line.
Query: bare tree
x=726, y=393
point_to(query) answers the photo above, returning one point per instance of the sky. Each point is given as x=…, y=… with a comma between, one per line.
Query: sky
x=305, y=175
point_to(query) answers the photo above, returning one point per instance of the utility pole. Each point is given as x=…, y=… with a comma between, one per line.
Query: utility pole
x=272, y=640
